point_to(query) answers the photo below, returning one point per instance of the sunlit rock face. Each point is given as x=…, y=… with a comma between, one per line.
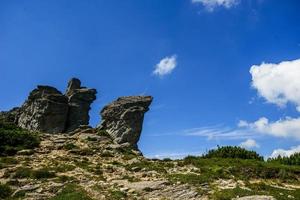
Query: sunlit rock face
x=123, y=118
x=48, y=110
x=45, y=110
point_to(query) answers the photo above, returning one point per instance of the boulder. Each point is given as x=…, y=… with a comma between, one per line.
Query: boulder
x=79, y=100
x=123, y=118
x=45, y=110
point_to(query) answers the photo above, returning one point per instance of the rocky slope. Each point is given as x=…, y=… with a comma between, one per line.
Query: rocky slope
x=87, y=164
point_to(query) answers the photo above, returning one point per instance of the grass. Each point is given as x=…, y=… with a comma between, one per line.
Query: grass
x=14, y=139
x=43, y=173
x=72, y=192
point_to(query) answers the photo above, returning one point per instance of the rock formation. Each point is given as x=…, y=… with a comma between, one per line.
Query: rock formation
x=123, y=118
x=45, y=110
x=80, y=99
x=48, y=110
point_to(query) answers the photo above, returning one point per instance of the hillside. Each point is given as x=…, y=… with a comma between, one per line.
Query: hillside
x=87, y=164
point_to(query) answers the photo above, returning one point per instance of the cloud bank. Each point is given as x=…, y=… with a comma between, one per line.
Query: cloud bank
x=165, y=66
x=278, y=83
x=285, y=153
x=286, y=128
x=210, y=5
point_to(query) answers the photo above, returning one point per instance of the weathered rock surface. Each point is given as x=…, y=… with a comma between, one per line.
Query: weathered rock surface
x=45, y=110
x=123, y=118
x=48, y=110
x=80, y=99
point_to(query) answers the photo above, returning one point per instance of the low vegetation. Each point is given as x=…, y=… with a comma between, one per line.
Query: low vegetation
x=13, y=139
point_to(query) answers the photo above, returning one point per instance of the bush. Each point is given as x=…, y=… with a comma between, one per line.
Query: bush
x=232, y=152
x=13, y=139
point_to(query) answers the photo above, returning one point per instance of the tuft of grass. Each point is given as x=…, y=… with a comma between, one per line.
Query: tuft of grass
x=72, y=192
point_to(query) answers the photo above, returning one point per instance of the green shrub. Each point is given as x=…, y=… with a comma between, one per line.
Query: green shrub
x=232, y=152
x=13, y=139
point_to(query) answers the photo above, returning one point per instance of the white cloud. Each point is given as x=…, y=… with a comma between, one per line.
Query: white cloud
x=278, y=83
x=286, y=128
x=285, y=153
x=210, y=5
x=165, y=66
x=249, y=143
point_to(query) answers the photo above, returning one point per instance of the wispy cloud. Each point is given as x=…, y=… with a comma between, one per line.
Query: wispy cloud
x=220, y=132
x=210, y=5
x=165, y=66
x=215, y=132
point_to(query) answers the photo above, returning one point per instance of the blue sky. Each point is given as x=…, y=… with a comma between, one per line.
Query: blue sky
x=193, y=56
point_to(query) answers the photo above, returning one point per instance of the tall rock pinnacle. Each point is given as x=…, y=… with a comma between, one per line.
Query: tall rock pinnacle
x=80, y=99
x=123, y=118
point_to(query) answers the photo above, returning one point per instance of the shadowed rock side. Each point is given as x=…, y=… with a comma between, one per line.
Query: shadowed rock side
x=123, y=118
x=45, y=110
x=80, y=99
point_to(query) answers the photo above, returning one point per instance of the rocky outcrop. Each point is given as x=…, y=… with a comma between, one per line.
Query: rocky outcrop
x=80, y=99
x=45, y=110
x=123, y=118
x=48, y=110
